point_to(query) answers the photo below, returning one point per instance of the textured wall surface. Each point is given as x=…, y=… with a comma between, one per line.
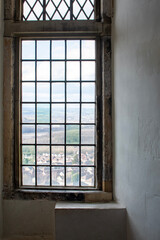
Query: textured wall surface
x=136, y=89
x=1, y=109
x=30, y=218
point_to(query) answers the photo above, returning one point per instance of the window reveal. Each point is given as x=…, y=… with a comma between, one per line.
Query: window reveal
x=58, y=105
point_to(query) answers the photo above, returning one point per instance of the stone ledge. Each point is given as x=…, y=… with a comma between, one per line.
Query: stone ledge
x=85, y=206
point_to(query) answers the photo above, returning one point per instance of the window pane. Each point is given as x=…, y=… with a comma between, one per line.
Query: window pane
x=87, y=176
x=58, y=113
x=87, y=155
x=28, y=155
x=58, y=71
x=43, y=134
x=72, y=176
x=28, y=176
x=43, y=92
x=43, y=155
x=73, y=111
x=58, y=92
x=43, y=49
x=58, y=49
x=28, y=71
x=73, y=49
x=73, y=92
x=88, y=113
x=28, y=92
x=28, y=49
x=28, y=134
x=28, y=113
x=88, y=49
x=57, y=155
x=58, y=134
x=87, y=134
x=73, y=71
x=43, y=176
x=43, y=71
x=88, y=92
x=57, y=176
x=43, y=113
x=72, y=134
x=72, y=155
x=88, y=71
x=33, y=10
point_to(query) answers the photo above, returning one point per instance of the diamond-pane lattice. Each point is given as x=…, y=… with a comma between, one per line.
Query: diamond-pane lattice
x=36, y=10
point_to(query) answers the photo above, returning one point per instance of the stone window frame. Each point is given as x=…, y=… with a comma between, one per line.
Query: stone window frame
x=14, y=29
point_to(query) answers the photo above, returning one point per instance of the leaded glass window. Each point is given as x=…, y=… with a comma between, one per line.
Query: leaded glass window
x=40, y=10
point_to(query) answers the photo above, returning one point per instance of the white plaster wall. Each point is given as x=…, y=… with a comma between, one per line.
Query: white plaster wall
x=1, y=109
x=136, y=90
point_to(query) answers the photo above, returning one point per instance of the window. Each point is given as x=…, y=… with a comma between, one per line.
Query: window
x=58, y=89
x=58, y=106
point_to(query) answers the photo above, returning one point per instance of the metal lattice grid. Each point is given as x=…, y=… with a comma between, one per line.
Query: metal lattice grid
x=58, y=127
x=40, y=10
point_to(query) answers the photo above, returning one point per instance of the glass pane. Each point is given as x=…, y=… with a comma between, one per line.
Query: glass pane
x=72, y=176
x=88, y=113
x=88, y=49
x=28, y=113
x=43, y=134
x=28, y=71
x=50, y=8
x=28, y=134
x=72, y=155
x=88, y=92
x=28, y=155
x=57, y=155
x=73, y=49
x=63, y=8
x=43, y=155
x=73, y=111
x=58, y=134
x=58, y=49
x=88, y=8
x=43, y=92
x=43, y=49
x=43, y=113
x=76, y=9
x=88, y=71
x=28, y=176
x=43, y=71
x=87, y=176
x=58, y=92
x=73, y=92
x=73, y=71
x=57, y=176
x=43, y=176
x=28, y=92
x=36, y=10
x=72, y=134
x=58, y=112
x=87, y=155
x=58, y=71
x=87, y=134
x=28, y=49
